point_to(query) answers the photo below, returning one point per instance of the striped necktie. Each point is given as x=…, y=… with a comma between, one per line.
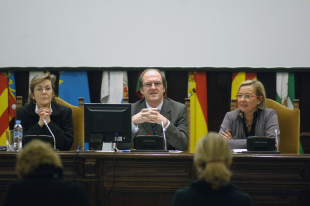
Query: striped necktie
x=154, y=126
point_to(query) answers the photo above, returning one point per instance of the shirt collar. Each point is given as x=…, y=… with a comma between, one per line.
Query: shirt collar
x=37, y=108
x=241, y=114
x=158, y=107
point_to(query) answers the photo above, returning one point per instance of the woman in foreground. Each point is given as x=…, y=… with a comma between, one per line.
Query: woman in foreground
x=212, y=160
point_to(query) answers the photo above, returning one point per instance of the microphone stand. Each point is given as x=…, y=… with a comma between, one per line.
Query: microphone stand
x=51, y=133
x=162, y=124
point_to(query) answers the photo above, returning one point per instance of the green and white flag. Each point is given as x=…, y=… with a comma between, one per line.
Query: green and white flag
x=286, y=89
x=286, y=92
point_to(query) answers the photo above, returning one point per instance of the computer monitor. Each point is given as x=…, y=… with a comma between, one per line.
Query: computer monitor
x=107, y=123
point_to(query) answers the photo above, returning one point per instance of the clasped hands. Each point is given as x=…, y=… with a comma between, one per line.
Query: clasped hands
x=44, y=113
x=150, y=115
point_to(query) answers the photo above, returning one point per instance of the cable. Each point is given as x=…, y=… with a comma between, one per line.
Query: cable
x=73, y=164
x=98, y=201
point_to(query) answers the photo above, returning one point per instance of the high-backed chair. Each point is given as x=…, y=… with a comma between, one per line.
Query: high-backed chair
x=78, y=121
x=289, y=124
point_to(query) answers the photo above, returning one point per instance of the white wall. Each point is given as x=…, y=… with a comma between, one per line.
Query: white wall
x=159, y=33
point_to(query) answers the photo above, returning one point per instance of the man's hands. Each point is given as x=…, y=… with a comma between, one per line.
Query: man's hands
x=149, y=115
x=44, y=113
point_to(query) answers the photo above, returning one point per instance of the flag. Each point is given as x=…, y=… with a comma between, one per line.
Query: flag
x=237, y=79
x=33, y=74
x=286, y=92
x=138, y=93
x=4, y=110
x=197, y=92
x=73, y=85
x=12, y=95
x=114, y=86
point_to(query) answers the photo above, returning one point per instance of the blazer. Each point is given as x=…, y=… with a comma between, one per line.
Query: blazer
x=201, y=193
x=45, y=186
x=266, y=124
x=61, y=124
x=176, y=133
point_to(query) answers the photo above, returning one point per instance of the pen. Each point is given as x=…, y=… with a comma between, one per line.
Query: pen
x=124, y=150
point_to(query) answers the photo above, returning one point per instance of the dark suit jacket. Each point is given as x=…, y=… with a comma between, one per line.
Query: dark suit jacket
x=61, y=124
x=45, y=186
x=201, y=193
x=176, y=133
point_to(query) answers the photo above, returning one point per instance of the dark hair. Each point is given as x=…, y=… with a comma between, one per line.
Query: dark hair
x=39, y=78
x=163, y=78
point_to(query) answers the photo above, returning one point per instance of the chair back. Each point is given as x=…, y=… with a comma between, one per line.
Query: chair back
x=78, y=121
x=289, y=124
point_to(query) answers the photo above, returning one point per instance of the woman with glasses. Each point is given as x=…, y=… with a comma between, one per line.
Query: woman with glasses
x=42, y=106
x=252, y=118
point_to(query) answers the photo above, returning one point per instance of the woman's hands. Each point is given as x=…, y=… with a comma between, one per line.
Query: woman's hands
x=44, y=113
x=227, y=135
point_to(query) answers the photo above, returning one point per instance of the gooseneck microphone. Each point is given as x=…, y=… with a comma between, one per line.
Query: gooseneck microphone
x=51, y=133
x=162, y=124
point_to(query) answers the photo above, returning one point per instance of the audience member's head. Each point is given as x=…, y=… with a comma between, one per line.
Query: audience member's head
x=212, y=159
x=35, y=154
x=34, y=91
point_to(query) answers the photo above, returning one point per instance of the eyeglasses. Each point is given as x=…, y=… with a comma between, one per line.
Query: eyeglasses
x=149, y=84
x=245, y=96
x=40, y=90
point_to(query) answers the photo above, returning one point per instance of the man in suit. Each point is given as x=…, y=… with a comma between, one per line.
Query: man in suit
x=148, y=113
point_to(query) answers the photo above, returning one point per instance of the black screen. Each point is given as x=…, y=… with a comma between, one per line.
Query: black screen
x=107, y=123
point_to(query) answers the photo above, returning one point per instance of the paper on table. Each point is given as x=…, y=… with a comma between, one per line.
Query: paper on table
x=239, y=150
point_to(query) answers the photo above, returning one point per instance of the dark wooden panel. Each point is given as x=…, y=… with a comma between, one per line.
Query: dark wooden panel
x=142, y=178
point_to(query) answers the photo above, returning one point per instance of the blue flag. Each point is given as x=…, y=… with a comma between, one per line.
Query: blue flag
x=12, y=95
x=73, y=85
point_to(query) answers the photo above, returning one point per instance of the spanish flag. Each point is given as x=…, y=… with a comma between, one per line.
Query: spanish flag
x=237, y=79
x=7, y=103
x=197, y=92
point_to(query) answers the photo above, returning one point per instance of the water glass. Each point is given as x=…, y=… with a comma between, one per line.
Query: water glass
x=9, y=140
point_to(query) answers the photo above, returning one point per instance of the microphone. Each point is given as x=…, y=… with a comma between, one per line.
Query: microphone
x=51, y=133
x=277, y=139
x=162, y=124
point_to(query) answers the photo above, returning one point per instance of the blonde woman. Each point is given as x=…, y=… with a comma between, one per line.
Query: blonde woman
x=41, y=180
x=212, y=160
x=41, y=106
x=252, y=118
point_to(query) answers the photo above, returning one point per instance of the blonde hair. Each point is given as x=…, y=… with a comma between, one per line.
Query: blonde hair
x=35, y=154
x=260, y=91
x=212, y=160
x=38, y=79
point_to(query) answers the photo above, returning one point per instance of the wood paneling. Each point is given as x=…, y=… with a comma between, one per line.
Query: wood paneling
x=152, y=179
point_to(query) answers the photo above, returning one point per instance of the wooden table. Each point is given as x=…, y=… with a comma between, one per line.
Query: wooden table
x=152, y=179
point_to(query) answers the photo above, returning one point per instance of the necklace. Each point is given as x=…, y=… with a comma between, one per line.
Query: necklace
x=248, y=125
